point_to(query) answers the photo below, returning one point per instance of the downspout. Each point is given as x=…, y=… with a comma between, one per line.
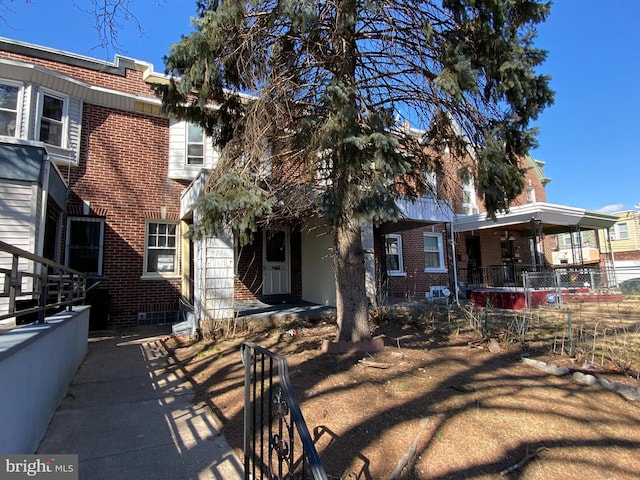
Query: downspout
x=46, y=172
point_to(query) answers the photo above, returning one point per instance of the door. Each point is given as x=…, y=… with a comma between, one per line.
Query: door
x=474, y=261
x=275, y=263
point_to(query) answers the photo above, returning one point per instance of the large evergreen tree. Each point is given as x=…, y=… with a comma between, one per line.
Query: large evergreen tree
x=309, y=99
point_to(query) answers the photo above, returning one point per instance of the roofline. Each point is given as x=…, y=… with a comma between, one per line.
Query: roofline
x=117, y=67
x=549, y=213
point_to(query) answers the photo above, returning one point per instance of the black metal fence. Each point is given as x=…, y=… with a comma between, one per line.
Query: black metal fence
x=277, y=443
x=33, y=286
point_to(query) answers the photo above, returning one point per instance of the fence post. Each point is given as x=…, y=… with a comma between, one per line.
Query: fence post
x=569, y=332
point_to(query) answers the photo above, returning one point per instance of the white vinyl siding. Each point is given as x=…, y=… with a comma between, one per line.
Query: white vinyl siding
x=65, y=148
x=18, y=214
x=179, y=167
x=18, y=225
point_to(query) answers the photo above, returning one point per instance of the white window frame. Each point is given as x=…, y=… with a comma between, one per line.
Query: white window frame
x=67, y=255
x=175, y=272
x=564, y=241
x=530, y=194
x=442, y=268
x=618, y=233
x=18, y=110
x=469, y=197
x=398, y=239
x=201, y=143
x=431, y=179
x=64, y=122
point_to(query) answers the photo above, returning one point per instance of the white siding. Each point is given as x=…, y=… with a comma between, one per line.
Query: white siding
x=213, y=278
x=18, y=214
x=178, y=169
x=29, y=125
x=219, y=278
x=18, y=226
x=75, y=126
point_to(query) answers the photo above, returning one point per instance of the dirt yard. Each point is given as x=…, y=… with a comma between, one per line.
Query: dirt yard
x=469, y=413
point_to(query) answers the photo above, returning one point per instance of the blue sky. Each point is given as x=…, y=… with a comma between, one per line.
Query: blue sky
x=589, y=138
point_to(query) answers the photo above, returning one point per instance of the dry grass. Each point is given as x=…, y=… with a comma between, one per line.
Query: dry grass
x=470, y=413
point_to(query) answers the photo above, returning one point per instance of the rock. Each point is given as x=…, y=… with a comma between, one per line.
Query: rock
x=584, y=379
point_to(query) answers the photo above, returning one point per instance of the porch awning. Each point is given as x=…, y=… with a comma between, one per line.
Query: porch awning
x=553, y=219
x=21, y=161
x=419, y=212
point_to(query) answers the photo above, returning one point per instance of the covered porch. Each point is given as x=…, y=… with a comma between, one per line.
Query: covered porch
x=509, y=261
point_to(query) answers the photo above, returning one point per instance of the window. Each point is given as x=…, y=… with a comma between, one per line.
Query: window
x=431, y=181
x=9, y=101
x=531, y=194
x=52, y=119
x=469, y=196
x=564, y=240
x=85, y=244
x=195, y=144
x=433, y=252
x=393, y=252
x=161, y=252
x=620, y=231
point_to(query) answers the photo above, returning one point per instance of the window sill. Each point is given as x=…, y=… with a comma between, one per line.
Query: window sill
x=436, y=270
x=158, y=276
x=397, y=274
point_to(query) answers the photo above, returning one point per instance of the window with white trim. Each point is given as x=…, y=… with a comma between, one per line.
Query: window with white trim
x=195, y=144
x=433, y=252
x=53, y=119
x=85, y=244
x=393, y=254
x=10, y=94
x=161, y=252
x=620, y=231
x=431, y=180
x=469, y=196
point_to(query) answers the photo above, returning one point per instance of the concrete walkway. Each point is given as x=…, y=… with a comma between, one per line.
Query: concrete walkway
x=128, y=414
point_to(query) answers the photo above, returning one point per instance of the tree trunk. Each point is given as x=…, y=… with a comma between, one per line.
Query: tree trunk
x=351, y=295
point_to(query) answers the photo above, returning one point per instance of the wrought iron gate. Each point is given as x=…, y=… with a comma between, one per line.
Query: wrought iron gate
x=277, y=443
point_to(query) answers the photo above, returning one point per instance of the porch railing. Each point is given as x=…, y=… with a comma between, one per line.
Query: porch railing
x=504, y=275
x=277, y=443
x=32, y=286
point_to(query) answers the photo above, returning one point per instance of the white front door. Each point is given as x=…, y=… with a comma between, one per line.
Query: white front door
x=276, y=262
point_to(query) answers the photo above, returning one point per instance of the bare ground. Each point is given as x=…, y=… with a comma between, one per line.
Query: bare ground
x=469, y=413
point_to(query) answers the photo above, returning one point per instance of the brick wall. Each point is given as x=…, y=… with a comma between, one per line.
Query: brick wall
x=416, y=281
x=123, y=174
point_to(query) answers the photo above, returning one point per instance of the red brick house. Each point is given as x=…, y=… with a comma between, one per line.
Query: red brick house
x=101, y=128
x=107, y=186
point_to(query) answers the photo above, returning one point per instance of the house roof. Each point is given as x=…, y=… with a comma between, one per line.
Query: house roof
x=553, y=219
